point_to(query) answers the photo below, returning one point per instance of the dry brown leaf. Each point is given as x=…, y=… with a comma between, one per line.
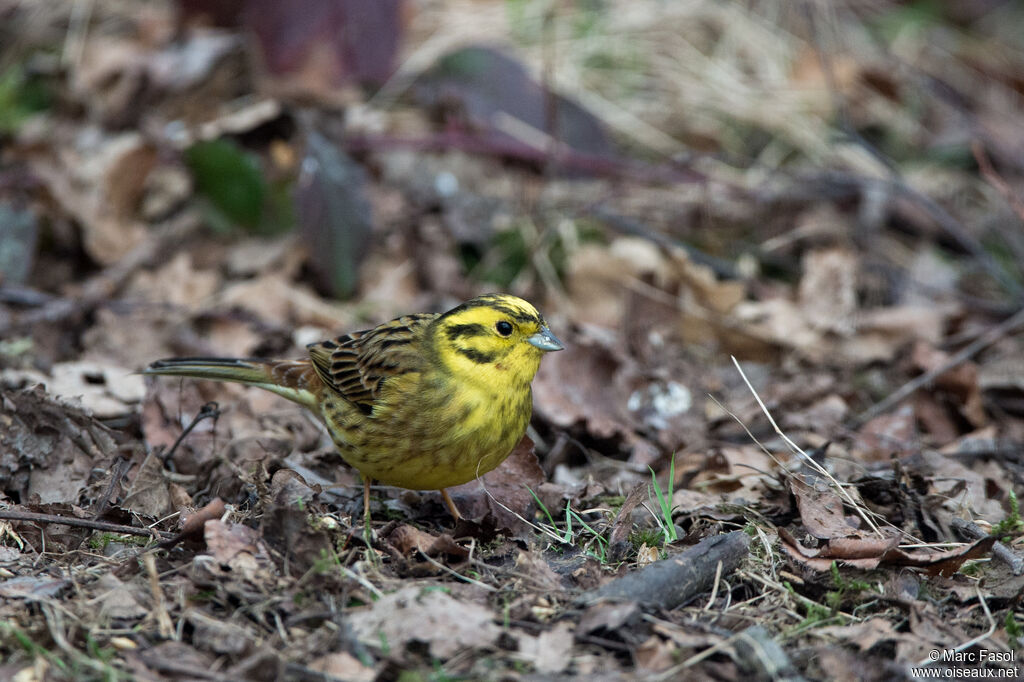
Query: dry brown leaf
x=960, y=382
x=866, y=634
x=343, y=666
x=275, y=297
x=118, y=600
x=977, y=495
x=888, y=435
x=406, y=538
x=860, y=550
x=825, y=415
x=777, y=322
x=130, y=339
x=739, y=470
x=821, y=509
x=539, y=575
x=422, y=614
x=238, y=553
x=882, y=332
x=507, y=486
x=586, y=385
x=608, y=616
x=655, y=654
x=601, y=279
x=828, y=290
x=149, y=494
x=99, y=180
x=548, y=652
x=940, y=563
x=193, y=523
x=32, y=588
x=103, y=389
x=49, y=446
x=217, y=635
x=622, y=526
x=932, y=630
x=178, y=283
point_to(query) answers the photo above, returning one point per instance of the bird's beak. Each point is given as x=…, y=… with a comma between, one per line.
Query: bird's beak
x=545, y=340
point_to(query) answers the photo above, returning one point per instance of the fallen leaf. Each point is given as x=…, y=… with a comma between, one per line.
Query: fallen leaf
x=622, y=525
x=548, y=652
x=860, y=550
x=821, y=509
x=828, y=290
x=218, y=636
x=425, y=614
x=103, y=390
x=940, y=563
x=539, y=575
x=238, y=554
x=119, y=600
x=960, y=383
x=178, y=283
x=866, y=634
x=334, y=213
x=149, y=494
x=49, y=446
x=504, y=492
x=98, y=179
x=406, y=538
x=882, y=332
x=655, y=654
x=343, y=666
x=32, y=588
x=324, y=48
x=580, y=387
x=608, y=616
x=888, y=435
x=490, y=92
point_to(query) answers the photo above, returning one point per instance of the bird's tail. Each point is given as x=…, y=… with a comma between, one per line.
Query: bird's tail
x=294, y=379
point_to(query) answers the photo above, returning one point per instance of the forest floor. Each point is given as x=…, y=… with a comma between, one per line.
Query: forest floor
x=781, y=242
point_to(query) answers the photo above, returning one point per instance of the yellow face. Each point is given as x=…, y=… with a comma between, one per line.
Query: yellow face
x=494, y=337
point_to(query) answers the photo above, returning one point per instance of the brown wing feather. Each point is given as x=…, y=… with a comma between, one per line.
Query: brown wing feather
x=356, y=365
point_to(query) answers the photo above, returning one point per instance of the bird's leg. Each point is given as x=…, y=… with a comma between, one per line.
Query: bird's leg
x=367, y=533
x=451, y=505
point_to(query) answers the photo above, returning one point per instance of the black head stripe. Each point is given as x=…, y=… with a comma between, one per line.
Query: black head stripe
x=457, y=331
x=479, y=357
x=517, y=315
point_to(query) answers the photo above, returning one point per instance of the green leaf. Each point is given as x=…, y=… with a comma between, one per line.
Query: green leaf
x=20, y=98
x=230, y=178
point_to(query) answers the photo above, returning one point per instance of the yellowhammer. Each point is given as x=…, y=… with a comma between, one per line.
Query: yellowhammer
x=425, y=401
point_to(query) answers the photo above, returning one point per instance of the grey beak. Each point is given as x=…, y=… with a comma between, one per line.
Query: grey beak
x=545, y=340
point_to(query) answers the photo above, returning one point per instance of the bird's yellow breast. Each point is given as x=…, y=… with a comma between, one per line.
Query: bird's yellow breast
x=428, y=431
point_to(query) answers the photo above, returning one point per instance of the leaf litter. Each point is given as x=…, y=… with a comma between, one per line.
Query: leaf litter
x=672, y=185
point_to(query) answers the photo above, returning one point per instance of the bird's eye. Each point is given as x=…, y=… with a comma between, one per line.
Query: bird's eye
x=503, y=327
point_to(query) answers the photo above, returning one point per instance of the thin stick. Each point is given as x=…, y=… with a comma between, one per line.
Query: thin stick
x=208, y=411
x=807, y=458
x=166, y=627
x=714, y=590
x=453, y=572
x=15, y=515
x=1007, y=326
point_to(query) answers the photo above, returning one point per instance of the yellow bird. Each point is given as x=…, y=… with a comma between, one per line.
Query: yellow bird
x=426, y=401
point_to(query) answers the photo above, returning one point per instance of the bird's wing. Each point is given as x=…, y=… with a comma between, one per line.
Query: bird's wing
x=356, y=365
